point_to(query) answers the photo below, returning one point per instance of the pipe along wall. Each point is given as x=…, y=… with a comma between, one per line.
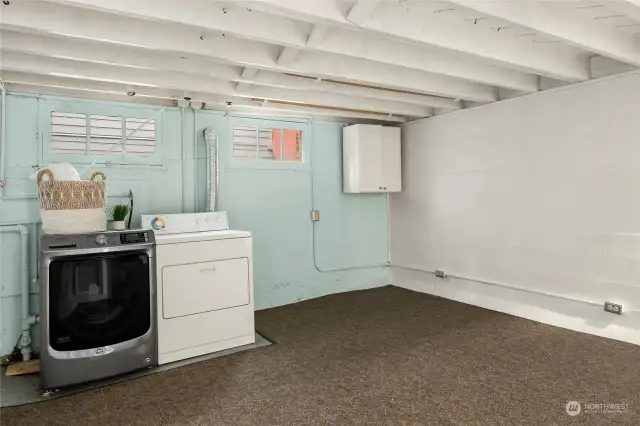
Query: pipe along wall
x=24, y=342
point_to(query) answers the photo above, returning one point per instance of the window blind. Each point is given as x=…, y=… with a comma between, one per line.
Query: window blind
x=93, y=134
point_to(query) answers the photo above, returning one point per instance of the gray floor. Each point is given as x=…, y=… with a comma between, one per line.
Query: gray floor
x=385, y=356
x=20, y=390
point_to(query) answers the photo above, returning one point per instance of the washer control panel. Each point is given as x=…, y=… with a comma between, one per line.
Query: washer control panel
x=134, y=237
x=102, y=240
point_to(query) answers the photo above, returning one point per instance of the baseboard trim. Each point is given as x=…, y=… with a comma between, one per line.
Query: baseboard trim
x=570, y=314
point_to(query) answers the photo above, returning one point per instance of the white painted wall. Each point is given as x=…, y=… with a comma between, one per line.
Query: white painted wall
x=541, y=193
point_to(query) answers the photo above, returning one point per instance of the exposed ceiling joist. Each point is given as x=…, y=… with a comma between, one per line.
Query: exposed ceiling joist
x=287, y=56
x=630, y=8
x=74, y=92
x=248, y=73
x=98, y=52
x=243, y=86
x=269, y=78
x=556, y=20
x=316, y=34
x=39, y=84
x=362, y=10
x=36, y=16
x=383, y=49
x=407, y=21
x=196, y=83
x=259, y=26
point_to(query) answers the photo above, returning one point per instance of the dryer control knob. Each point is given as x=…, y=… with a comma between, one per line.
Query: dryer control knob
x=101, y=240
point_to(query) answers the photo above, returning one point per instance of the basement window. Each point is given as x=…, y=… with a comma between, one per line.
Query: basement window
x=267, y=144
x=92, y=134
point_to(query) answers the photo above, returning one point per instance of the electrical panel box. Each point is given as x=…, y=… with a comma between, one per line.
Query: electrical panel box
x=371, y=159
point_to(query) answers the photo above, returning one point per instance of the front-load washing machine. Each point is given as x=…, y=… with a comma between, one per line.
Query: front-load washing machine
x=205, y=284
x=97, y=306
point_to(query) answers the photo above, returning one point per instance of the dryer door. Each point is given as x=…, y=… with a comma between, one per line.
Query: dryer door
x=201, y=287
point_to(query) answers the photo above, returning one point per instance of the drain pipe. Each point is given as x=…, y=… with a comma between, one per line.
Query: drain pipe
x=183, y=141
x=3, y=140
x=213, y=181
x=195, y=159
x=24, y=343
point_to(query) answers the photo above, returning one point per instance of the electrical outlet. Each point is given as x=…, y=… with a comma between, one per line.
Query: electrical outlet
x=440, y=274
x=612, y=308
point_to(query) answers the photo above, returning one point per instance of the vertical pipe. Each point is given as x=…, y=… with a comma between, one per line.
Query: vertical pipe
x=27, y=320
x=206, y=137
x=217, y=174
x=184, y=158
x=195, y=159
x=25, y=338
x=3, y=136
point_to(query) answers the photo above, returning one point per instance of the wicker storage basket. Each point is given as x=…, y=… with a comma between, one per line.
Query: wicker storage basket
x=71, y=207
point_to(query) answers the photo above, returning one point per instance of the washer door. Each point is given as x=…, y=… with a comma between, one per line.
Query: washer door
x=97, y=301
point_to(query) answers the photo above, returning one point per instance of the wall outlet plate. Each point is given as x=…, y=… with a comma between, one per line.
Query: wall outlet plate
x=613, y=308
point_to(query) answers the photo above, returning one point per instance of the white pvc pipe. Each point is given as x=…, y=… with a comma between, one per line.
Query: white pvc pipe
x=499, y=284
x=195, y=161
x=3, y=135
x=27, y=320
x=183, y=141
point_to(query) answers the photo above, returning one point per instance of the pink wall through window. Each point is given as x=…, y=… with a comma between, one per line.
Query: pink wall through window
x=292, y=144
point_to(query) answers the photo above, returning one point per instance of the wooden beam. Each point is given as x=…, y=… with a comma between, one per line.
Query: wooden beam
x=630, y=8
x=408, y=21
x=83, y=23
x=316, y=34
x=362, y=10
x=61, y=86
x=287, y=56
x=195, y=83
x=99, y=52
x=558, y=21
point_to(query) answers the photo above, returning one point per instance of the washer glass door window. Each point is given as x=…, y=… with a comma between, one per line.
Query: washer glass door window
x=97, y=301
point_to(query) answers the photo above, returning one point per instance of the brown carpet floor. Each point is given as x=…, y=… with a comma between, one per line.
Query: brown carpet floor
x=385, y=356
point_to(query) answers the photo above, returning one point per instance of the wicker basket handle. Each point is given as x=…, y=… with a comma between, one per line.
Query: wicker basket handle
x=96, y=174
x=44, y=172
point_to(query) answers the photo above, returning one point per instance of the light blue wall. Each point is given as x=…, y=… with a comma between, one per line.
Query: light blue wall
x=273, y=203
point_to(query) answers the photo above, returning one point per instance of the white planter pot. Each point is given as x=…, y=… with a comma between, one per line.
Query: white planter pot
x=118, y=225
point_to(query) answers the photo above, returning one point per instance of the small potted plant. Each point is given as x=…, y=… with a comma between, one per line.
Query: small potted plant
x=119, y=213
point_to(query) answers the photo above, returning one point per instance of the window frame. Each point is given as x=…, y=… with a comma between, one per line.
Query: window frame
x=260, y=123
x=46, y=108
